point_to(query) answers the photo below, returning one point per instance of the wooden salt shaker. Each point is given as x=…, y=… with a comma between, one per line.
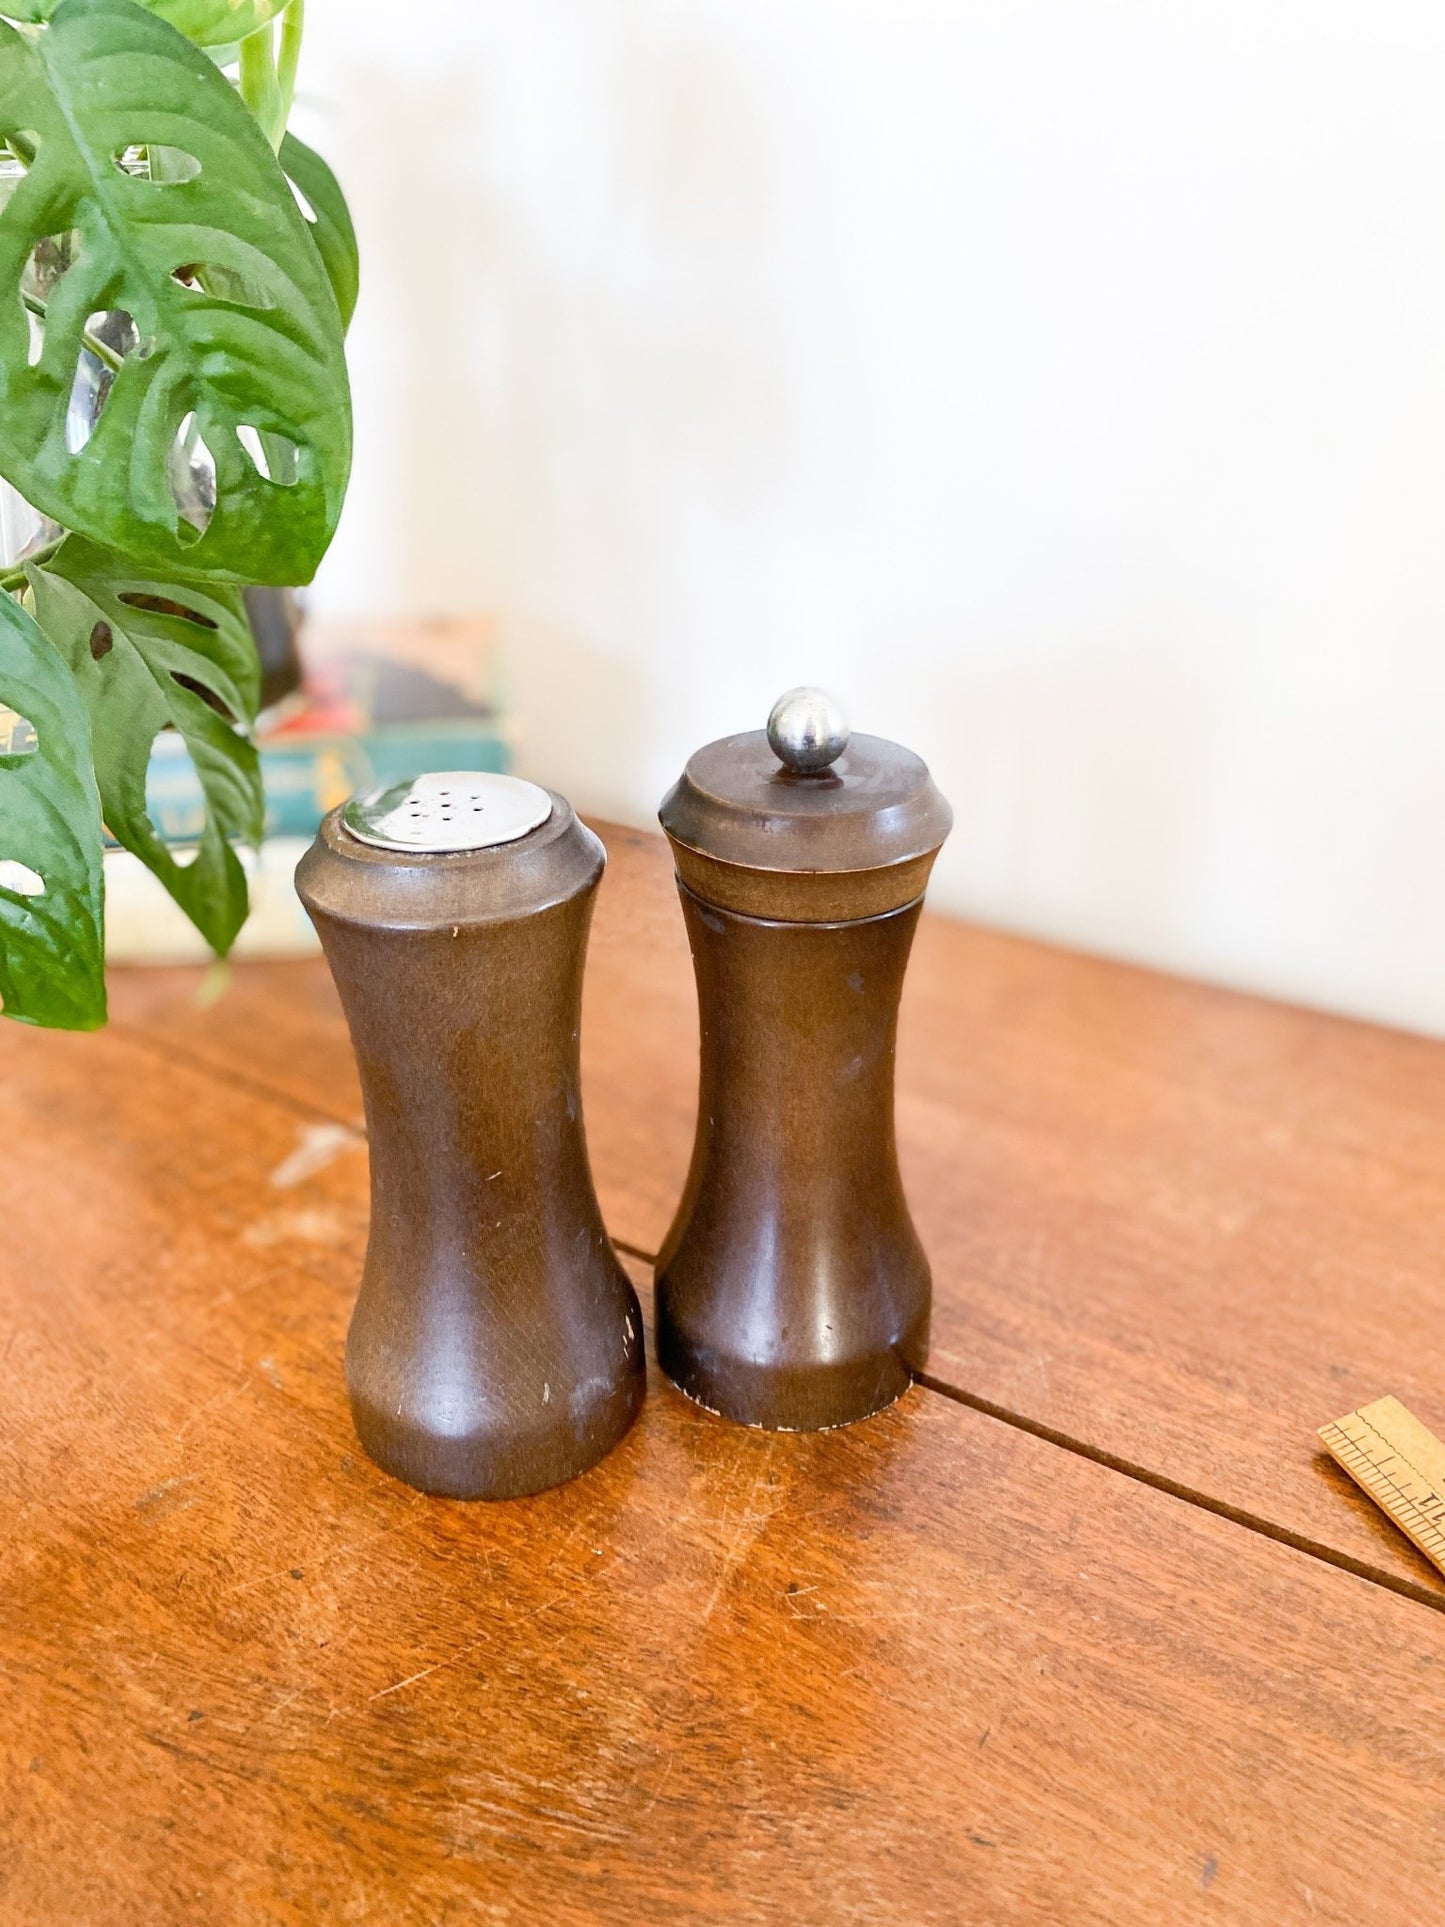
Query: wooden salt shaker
x=792, y=1291
x=496, y=1345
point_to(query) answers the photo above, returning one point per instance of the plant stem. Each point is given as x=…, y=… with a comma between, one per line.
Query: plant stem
x=103, y=354
x=259, y=87
x=16, y=578
x=293, y=25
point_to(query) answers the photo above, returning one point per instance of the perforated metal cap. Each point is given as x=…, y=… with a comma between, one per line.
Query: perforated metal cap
x=447, y=810
x=449, y=869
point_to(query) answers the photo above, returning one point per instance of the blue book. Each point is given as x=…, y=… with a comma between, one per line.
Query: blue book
x=307, y=774
x=365, y=718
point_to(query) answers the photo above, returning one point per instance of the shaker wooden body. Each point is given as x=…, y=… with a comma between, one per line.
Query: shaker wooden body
x=792, y=1290
x=496, y=1345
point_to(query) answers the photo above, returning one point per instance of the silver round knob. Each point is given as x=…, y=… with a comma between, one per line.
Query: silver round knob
x=807, y=731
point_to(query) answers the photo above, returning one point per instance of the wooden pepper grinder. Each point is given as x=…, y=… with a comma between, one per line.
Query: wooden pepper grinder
x=792, y=1291
x=496, y=1346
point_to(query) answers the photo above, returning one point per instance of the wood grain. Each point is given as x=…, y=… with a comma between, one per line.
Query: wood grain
x=924, y=1670
x=1181, y=1226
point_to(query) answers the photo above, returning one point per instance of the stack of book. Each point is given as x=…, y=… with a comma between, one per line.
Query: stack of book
x=379, y=703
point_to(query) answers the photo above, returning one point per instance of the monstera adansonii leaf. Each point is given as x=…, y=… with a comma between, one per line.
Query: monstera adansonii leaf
x=236, y=344
x=52, y=968
x=146, y=653
x=210, y=23
x=331, y=228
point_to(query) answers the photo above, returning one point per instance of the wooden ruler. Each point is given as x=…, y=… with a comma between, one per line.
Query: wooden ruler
x=1401, y=1464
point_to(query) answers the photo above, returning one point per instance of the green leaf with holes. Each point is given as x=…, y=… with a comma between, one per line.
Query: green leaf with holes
x=147, y=653
x=235, y=328
x=331, y=230
x=209, y=23
x=52, y=952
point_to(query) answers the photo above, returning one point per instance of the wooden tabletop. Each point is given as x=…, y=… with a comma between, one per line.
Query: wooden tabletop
x=1085, y=1629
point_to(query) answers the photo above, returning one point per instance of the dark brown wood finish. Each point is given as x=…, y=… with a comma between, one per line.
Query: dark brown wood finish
x=923, y=1670
x=792, y=1291
x=496, y=1346
x=1173, y=1224
x=854, y=838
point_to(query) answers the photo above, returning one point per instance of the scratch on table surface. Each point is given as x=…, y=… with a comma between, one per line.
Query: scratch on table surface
x=411, y=1679
x=256, y=1580
x=573, y=1822
x=227, y=1395
x=578, y=1528
x=320, y=1145
x=546, y=1606
x=167, y=1496
x=753, y=1521
x=887, y=1614
x=320, y=1563
x=660, y=1787
x=425, y=1672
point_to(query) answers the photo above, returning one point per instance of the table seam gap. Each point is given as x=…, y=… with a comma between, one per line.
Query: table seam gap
x=1157, y=1481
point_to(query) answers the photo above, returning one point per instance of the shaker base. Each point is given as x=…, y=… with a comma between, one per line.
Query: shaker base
x=508, y=1467
x=789, y=1398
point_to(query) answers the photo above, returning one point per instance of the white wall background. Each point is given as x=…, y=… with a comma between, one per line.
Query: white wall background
x=1062, y=382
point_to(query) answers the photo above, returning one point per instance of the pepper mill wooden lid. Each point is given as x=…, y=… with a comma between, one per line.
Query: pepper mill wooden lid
x=804, y=821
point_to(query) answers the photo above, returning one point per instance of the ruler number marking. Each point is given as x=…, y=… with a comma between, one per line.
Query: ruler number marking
x=1374, y=1446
